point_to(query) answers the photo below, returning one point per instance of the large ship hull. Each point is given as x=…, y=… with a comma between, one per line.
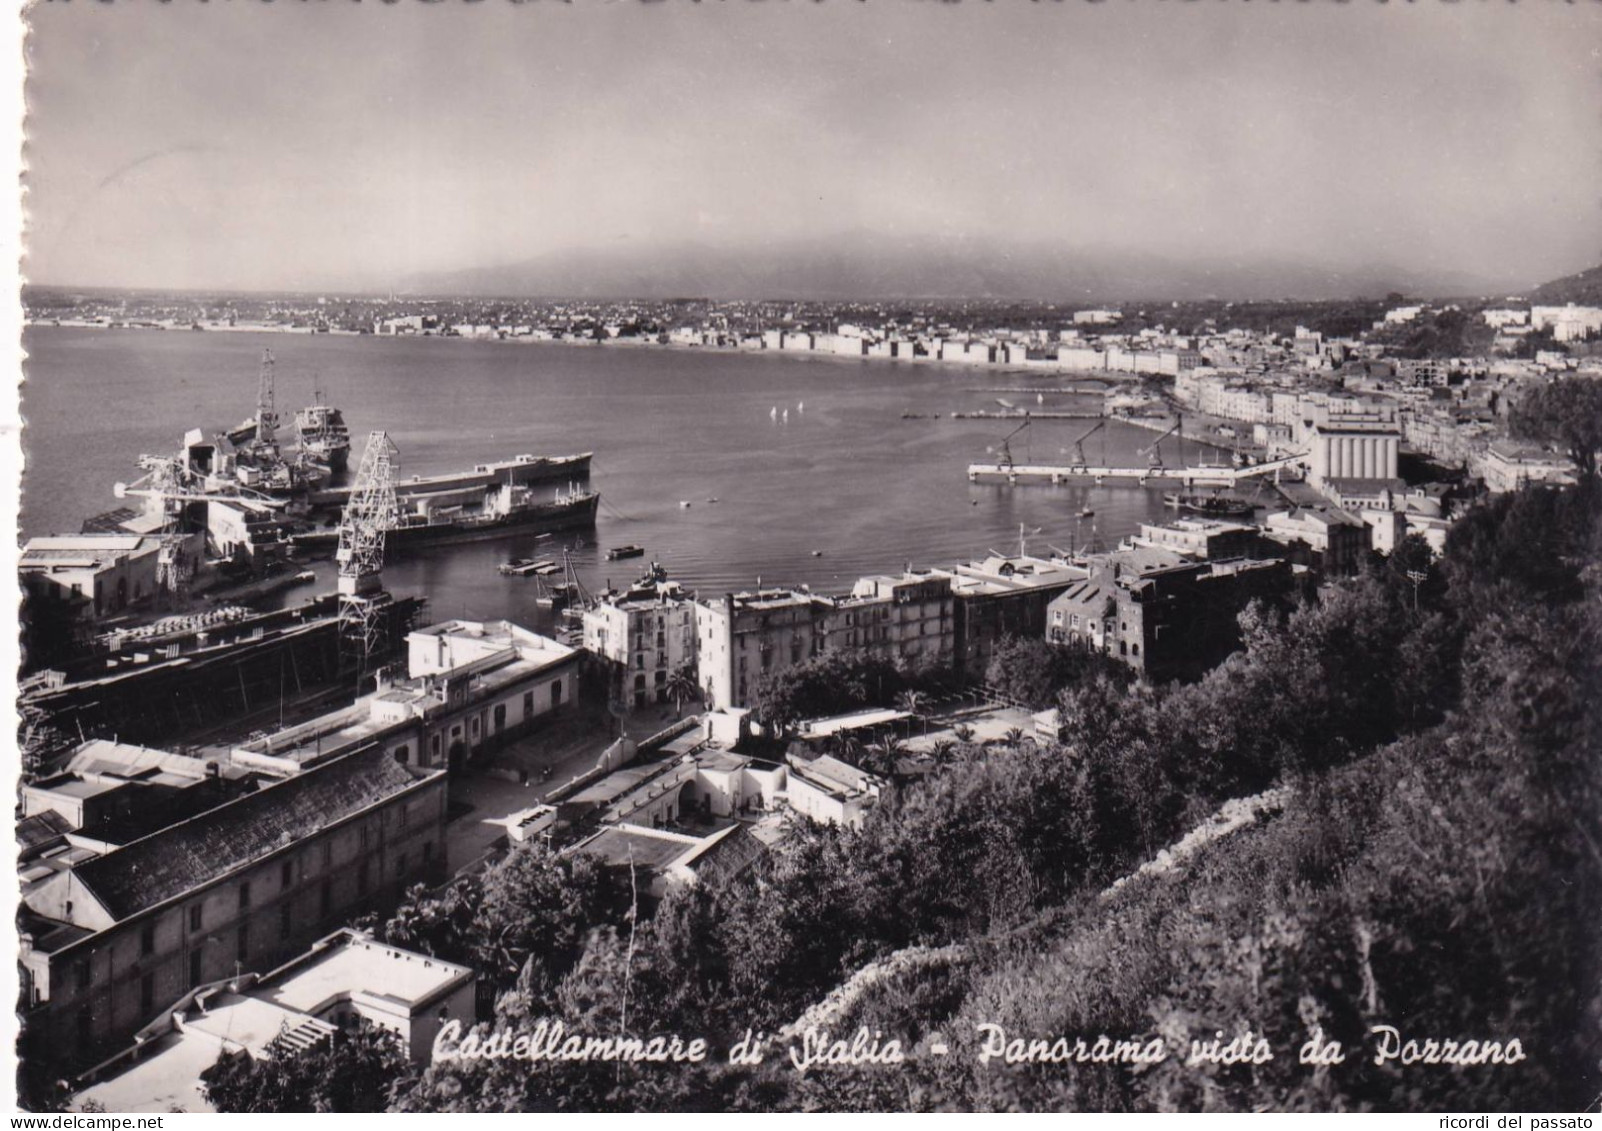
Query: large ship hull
x=541, y=518
x=520, y=472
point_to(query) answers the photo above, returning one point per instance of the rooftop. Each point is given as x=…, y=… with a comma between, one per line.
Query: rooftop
x=349, y=961
x=182, y=857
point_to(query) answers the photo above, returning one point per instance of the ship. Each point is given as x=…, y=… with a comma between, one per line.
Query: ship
x=323, y=433
x=447, y=517
x=519, y=471
x=1213, y=506
x=617, y=553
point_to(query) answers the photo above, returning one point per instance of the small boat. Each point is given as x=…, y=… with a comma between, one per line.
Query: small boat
x=713, y=499
x=684, y=504
x=817, y=553
x=1213, y=506
x=1086, y=512
x=773, y=413
x=522, y=567
x=618, y=553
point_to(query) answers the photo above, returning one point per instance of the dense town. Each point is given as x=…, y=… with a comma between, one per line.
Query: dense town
x=207, y=873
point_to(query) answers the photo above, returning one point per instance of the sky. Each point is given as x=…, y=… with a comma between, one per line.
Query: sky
x=252, y=145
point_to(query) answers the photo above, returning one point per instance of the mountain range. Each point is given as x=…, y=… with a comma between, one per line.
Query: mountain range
x=1583, y=288
x=873, y=267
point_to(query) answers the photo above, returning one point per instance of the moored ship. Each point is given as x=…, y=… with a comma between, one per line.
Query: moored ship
x=466, y=516
x=323, y=433
x=520, y=471
x=1213, y=506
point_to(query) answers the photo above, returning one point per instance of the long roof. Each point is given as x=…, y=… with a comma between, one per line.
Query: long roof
x=188, y=855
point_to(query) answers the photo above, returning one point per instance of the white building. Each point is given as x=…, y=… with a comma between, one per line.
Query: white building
x=343, y=977
x=470, y=688
x=645, y=638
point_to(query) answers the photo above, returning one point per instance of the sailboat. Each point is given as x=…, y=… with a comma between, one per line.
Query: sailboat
x=787, y=416
x=800, y=407
x=774, y=413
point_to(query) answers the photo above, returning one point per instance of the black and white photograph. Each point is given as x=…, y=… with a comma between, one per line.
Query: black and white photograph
x=810, y=556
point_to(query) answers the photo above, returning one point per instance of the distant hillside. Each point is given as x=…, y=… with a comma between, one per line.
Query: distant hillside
x=1584, y=289
x=865, y=266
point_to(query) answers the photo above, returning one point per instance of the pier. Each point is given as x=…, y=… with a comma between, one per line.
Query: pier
x=1153, y=475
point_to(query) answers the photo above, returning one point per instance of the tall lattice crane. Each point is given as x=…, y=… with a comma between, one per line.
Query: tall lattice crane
x=266, y=412
x=370, y=514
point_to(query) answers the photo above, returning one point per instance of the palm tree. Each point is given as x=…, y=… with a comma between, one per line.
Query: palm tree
x=681, y=687
x=885, y=755
x=912, y=702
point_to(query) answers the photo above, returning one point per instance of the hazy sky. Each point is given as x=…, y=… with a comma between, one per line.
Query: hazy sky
x=248, y=144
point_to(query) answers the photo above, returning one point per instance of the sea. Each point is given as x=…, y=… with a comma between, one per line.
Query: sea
x=730, y=469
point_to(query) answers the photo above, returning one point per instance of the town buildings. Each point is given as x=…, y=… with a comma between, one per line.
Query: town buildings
x=1508, y=465
x=344, y=977
x=1329, y=539
x=643, y=638
x=111, y=939
x=102, y=574
x=471, y=687
x=1002, y=596
x=909, y=619
x=1164, y=617
x=744, y=636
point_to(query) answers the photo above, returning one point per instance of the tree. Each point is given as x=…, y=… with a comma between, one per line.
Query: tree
x=681, y=687
x=1567, y=413
x=352, y=1070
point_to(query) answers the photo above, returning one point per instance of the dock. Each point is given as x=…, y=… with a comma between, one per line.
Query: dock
x=1022, y=414
x=1152, y=476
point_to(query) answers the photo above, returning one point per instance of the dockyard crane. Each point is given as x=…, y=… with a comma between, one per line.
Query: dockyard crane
x=1155, y=447
x=266, y=412
x=369, y=515
x=1006, y=442
x=1079, y=444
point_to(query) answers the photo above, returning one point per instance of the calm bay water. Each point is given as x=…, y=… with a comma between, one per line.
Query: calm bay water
x=845, y=475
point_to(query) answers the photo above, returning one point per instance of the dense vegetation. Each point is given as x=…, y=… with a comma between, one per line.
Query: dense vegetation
x=1435, y=868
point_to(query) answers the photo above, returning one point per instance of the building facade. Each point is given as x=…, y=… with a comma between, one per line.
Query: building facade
x=113, y=940
x=744, y=636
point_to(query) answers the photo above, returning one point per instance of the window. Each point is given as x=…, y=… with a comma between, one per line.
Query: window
x=556, y=694
x=361, y=878
x=82, y=972
x=326, y=898
x=283, y=921
x=475, y=726
x=194, y=968
x=528, y=704
x=286, y=873
x=428, y=852
x=328, y=853
x=364, y=836
x=405, y=814
x=244, y=895
x=195, y=917
x=500, y=717
x=147, y=938
x=433, y=746
x=403, y=753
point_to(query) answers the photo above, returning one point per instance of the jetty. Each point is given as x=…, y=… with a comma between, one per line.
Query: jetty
x=1204, y=475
